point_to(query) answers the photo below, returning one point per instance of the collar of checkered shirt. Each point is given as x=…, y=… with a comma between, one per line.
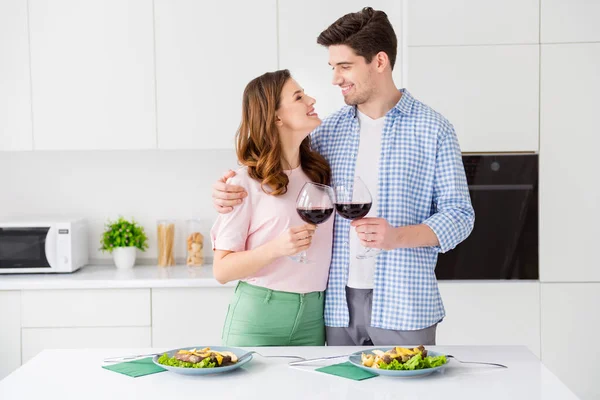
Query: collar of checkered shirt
x=404, y=105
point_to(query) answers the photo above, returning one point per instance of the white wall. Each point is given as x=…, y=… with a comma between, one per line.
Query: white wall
x=511, y=76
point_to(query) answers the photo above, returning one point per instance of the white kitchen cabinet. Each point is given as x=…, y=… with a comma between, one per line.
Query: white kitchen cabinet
x=15, y=83
x=300, y=23
x=189, y=316
x=10, y=332
x=569, y=189
x=92, y=66
x=206, y=53
x=472, y=22
x=86, y=308
x=37, y=339
x=489, y=93
x=491, y=313
x=570, y=325
x=570, y=21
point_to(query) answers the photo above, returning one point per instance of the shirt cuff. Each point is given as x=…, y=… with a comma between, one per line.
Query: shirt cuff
x=229, y=243
x=442, y=226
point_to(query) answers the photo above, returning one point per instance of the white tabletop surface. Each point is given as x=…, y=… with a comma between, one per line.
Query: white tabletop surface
x=77, y=374
x=108, y=276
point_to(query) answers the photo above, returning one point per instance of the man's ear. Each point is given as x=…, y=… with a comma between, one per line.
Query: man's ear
x=381, y=60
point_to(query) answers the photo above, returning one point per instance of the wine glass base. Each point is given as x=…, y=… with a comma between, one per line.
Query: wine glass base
x=301, y=259
x=370, y=253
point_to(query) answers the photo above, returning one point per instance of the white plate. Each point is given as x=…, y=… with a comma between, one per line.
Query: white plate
x=205, y=371
x=356, y=360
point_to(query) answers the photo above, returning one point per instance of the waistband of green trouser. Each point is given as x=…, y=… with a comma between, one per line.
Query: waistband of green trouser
x=276, y=295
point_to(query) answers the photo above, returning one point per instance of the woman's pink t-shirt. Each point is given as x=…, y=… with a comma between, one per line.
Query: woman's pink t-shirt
x=261, y=218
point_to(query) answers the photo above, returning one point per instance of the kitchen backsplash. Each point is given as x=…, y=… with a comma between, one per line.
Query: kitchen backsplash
x=146, y=185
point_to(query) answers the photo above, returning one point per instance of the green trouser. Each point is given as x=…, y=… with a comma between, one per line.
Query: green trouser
x=263, y=317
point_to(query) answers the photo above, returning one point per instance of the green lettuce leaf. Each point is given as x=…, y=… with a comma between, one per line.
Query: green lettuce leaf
x=173, y=362
x=436, y=361
x=416, y=362
x=394, y=365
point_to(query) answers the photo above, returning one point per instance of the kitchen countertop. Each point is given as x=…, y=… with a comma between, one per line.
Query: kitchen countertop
x=73, y=374
x=108, y=277
x=140, y=276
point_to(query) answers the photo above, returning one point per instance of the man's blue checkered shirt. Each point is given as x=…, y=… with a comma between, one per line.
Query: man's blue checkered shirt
x=421, y=181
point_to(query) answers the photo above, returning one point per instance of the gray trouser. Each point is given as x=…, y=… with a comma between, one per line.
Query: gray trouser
x=361, y=333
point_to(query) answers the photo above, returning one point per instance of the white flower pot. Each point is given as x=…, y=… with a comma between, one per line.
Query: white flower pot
x=124, y=257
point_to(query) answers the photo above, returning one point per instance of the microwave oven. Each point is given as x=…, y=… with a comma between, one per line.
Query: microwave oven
x=43, y=246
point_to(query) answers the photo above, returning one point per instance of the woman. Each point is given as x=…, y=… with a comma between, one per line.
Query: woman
x=278, y=302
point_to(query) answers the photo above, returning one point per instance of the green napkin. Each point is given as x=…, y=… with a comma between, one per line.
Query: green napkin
x=347, y=370
x=135, y=368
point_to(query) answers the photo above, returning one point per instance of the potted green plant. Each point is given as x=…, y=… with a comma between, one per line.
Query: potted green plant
x=122, y=238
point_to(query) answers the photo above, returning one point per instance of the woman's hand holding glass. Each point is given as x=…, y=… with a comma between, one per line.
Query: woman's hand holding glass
x=294, y=240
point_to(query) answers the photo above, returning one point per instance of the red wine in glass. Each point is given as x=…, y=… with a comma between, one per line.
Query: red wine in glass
x=353, y=201
x=315, y=206
x=353, y=211
x=316, y=215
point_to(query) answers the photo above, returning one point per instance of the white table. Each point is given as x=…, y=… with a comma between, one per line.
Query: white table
x=77, y=374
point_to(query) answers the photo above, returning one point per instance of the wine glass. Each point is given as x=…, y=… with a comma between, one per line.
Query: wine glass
x=353, y=201
x=314, y=205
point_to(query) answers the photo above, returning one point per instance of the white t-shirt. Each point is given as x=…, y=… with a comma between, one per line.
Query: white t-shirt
x=362, y=272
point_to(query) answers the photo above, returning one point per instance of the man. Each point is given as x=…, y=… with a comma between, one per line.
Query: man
x=409, y=157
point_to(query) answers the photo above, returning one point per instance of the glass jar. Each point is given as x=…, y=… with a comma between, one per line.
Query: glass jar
x=194, y=243
x=165, y=233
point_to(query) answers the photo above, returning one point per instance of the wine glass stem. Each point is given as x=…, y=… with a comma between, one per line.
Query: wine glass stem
x=303, y=257
x=367, y=252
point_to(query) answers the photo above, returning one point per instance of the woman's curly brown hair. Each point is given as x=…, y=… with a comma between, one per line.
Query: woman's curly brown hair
x=257, y=140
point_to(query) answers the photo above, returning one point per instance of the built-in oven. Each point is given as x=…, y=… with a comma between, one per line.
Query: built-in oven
x=504, y=240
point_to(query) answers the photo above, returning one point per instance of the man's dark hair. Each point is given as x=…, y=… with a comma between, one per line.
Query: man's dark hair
x=367, y=32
